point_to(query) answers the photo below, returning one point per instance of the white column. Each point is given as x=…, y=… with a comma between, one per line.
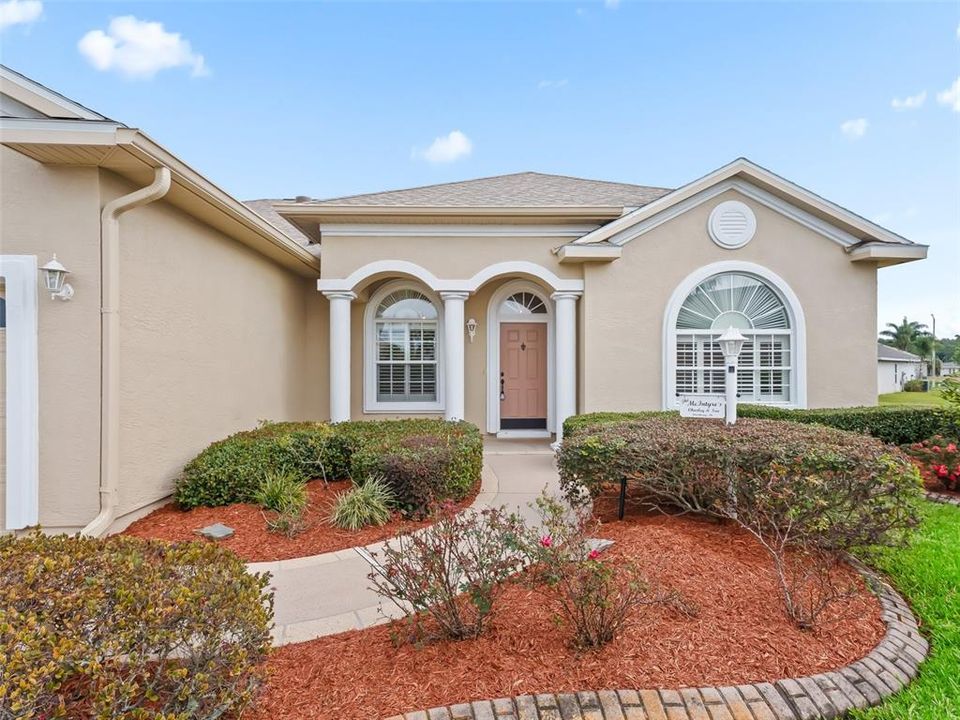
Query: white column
x=453, y=355
x=340, y=354
x=566, y=360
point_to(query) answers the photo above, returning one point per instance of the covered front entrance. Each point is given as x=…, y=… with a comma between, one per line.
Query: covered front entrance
x=523, y=376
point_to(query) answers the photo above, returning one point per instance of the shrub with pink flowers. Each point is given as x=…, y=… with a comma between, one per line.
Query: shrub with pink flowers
x=938, y=459
x=594, y=597
x=452, y=571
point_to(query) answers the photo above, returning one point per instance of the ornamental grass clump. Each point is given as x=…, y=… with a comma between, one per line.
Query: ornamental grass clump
x=452, y=571
x=128, y=629
x=284, y=498
x=809, y=494
x=595, y=597
x=363, y=505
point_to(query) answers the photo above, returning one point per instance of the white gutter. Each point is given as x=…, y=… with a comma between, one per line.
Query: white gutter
x=110, y=344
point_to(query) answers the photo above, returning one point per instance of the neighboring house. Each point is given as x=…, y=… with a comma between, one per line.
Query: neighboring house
x=895, y=367
x=511, y=302
x=949, y=368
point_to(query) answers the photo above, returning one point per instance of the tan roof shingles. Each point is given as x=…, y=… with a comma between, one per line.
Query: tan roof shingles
x=264, y=208
x=526, y=189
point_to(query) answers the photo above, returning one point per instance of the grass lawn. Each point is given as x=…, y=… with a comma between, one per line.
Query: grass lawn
x=927, y=573
x=920, y=399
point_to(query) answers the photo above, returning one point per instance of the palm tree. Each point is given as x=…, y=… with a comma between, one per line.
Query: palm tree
x=923, y=346
x=904, y=335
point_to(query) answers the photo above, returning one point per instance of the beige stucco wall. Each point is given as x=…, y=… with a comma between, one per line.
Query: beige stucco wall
x=214, y=337
x=47, y=210
x=449, y=258
x=625, y=301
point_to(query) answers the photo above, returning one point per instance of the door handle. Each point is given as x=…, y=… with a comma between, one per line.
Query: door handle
x=503, y=395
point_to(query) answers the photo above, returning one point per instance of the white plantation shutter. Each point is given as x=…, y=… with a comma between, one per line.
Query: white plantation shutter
x=406, y=348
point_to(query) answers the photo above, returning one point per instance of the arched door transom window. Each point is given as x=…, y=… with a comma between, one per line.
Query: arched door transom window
x=766, y=364
x=406, y=352
x=523, y=303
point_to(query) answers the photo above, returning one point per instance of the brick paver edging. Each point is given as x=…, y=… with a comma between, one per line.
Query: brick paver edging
x=888, y=668
x=939, y=497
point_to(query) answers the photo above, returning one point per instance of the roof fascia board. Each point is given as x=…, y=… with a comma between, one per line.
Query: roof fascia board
x=887, y=253
x=452, y=230
x=752, y=191
x=41, y=98
x=759, y=175
x=304, y=210
x=588, y=253
x=40, y=131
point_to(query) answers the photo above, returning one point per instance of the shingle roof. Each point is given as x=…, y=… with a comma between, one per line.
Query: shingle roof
x=525, y=189
x=885, y=352
x=264, y=208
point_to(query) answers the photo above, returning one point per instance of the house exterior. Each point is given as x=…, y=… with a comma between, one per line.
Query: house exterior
x=895, y=367
x=949, y=368
x=512, y=302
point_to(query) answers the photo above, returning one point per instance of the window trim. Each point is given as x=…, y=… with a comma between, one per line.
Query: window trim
x=787, y=296
x=370, y=402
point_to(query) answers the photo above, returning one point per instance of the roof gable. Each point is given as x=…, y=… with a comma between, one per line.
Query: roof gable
x=886, y=352
x=847, y=227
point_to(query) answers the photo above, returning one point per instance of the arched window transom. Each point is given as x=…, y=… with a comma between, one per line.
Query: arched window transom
x=406, y=352
x=766, y=363
x=523, y=303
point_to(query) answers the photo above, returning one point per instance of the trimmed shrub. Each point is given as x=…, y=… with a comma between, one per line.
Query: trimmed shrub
x=127, y=628
x=913, y=385
x=363, y=505
x=805, y=491
x=423, y=468
x=422, y=460
x=232, y=470
x=891, y=424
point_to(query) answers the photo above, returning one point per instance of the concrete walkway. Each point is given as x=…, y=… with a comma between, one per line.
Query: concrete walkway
x=326, y=594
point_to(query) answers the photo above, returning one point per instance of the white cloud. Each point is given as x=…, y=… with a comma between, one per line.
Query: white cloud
x=611, y=4
x=951, y=96
x=854, y=129
x=446, y=148
x=911, y=102
x=19, y=12
x=551, y=84
x=139, y=49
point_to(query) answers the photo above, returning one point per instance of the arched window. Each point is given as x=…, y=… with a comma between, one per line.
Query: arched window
x=765, y=372
x=403, y=365
x=523, y=303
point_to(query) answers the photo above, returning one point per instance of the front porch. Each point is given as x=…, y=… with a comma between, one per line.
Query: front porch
x=498, y=349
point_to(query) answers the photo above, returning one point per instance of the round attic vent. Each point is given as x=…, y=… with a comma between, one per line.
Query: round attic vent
x=732, y=224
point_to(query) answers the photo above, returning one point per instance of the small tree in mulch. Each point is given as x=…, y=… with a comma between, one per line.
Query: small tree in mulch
x=451, y=571
x=596, y=598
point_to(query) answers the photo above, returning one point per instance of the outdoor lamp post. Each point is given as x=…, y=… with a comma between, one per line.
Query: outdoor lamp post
x=731, y=342
x=54, y=274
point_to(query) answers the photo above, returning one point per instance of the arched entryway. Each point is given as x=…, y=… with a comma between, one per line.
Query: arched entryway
x=520, y=361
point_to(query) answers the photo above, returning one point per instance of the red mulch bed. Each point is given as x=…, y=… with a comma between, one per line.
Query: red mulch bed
x=254, y=543
x=740, y=635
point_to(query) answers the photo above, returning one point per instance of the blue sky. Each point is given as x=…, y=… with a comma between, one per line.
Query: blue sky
x=279, y=99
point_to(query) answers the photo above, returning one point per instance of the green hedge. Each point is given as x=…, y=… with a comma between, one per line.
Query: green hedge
x=129, y=629
x=896, y=425
x=423, y=460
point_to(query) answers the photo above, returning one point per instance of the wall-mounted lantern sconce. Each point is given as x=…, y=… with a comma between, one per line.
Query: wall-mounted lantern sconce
x=54, y=274
x=471, y=328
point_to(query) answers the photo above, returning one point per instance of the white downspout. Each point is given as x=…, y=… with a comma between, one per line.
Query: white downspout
x=110, y=344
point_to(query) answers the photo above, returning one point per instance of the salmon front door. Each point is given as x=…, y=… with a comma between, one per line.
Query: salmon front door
x=523, y=376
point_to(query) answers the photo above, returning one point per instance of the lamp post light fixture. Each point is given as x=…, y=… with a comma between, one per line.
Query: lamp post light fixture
x=471, y=328
x=731, y=342
x=54, y=274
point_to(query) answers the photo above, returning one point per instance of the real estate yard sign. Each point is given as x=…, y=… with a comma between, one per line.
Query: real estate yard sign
x=702, y=406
